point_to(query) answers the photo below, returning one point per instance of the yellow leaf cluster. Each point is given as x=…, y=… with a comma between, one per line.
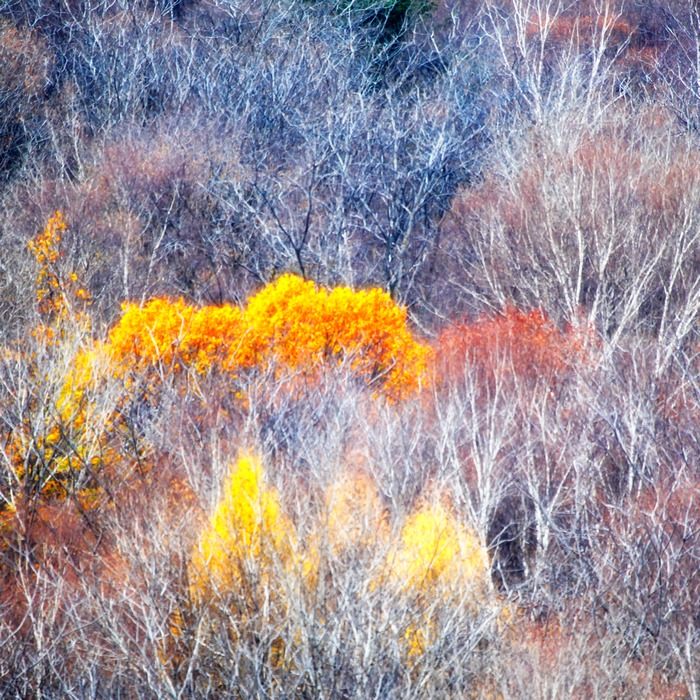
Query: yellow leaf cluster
x=71, y=407
x=248, y=534
x=435, y=547
x=249, y=544
x=437, y=555
x=248, y=524
x=44, y=247
x=63, y=435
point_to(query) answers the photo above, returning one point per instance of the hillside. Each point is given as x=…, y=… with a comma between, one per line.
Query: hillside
x=349, y=349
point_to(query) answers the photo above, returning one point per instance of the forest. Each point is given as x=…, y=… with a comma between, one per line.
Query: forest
x=350, y=349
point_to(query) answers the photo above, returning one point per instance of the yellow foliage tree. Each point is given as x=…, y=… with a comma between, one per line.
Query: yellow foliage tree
x=248, y=539
x=50, y=445
x=248, y=551
x=355, y=514
x=45, y=248
x=437, y=557
x=352, y=527
x=435, y=547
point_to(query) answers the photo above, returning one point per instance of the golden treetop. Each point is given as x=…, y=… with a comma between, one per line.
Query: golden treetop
x=436, y=547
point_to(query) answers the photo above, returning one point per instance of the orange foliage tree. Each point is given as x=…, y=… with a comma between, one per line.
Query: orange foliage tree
x=291, y=325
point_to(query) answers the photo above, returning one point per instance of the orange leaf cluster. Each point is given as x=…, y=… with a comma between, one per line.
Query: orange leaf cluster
x=58, y=292
x=167, y=332
x=44, y=247
x=292, y=324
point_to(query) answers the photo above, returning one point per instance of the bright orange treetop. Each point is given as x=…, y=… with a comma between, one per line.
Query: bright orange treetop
x=290, y=323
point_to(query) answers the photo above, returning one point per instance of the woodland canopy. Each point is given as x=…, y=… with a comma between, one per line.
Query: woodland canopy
x=348, y=349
